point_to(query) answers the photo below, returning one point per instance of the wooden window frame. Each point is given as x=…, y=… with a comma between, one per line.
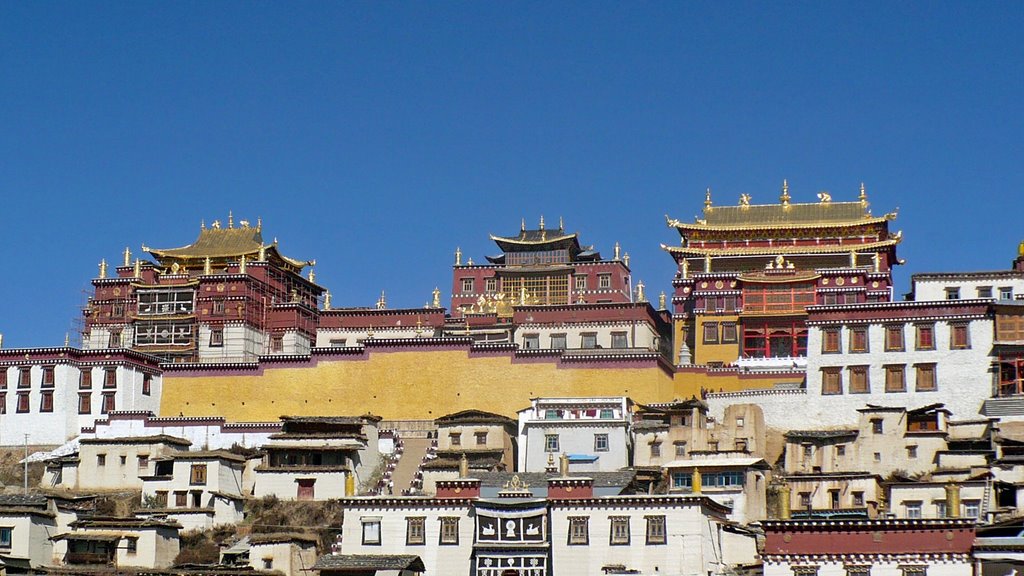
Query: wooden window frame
x=831, y=381
x=890, y=371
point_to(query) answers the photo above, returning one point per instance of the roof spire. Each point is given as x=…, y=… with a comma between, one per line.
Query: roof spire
x=103, y=268
x=522, y=225
x=458, y=256
x=784, y=198
x=707, y=199
x=863, y=194
x=541, y=222
x=327, y=299
x=382, y=302
x=202, y=224
x=259, y=223
x=127, y=256
x=561, y=226
x=618, y=249
x=231, y=220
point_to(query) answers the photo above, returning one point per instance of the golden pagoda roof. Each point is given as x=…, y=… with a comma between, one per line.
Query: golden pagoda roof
x=535, y=237
x=219, y=243
x=787, y=250
x=801, y=215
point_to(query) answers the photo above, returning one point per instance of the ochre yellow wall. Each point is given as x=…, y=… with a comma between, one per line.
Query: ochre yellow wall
x=419, y=385
x=724, y=353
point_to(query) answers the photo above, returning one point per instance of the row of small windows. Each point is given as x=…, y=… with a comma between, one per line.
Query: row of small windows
x=860, y=570
x=551, y=443
x=48, y=380
x=619, y=533
x=580, y=282
x=23, y=402
x=858, y=377
x=1005, y=292
x=684, y=480
x=895, y=341
x=588, y=340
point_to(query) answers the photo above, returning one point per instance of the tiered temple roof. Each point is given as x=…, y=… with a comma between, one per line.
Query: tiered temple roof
x=222, y=245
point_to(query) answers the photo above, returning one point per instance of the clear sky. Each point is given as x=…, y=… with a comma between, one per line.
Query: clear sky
x=376, y=137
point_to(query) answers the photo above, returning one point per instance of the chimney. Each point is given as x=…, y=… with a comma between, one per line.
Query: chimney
x=952, y=500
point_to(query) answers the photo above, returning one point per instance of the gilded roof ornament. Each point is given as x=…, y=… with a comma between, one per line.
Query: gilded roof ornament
x=1020, y=248
x=243, y=223
x=382, y=302
x=640, y=295
x=616, y=251
x=312, y=275
x=127, y=256
x=625, y=259
x=202, y=224
x=707, y=199
x=261, y=255
x=458, y=254
x=437, y=297
x=231, y=219
x=661, y=300
x=103, y=268
x=863, y=194
x=67, y=339
x=137, y=271
x=561, y=225
x=541, y=222
x=327, y=300
x=207, y=266
x=241, y=264
x=824, y=197
x=215, y=225
x=522, y=225
x=744, y=199
x=784, y=198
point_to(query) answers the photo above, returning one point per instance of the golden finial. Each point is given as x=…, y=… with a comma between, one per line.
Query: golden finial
x=744, y=199
x=541, y=222
x=67, y=339
x=137, y=272
x=1, y=340
x=437, y=297
x=202, y=224
x=327, y=300
x=876, y=260
x=625, y=259
x=262, y=254
x=259, y=223
x=103, y=268
x=469, y=262
x=215, y=225
x=561, y=225
x=382, y=302
x=419, y=326
x=207, y=266
x=617, y=250
x=1020, y=249
x=458, y=256
x=707, y=199
x=312, y=275
x=231, y=219
x=241, y=264
x=243, y=223
x=127, y=256
x=784, y=198
x=824, y=197
x=661, y=300
x=640, y=296
x=863, y=194
x=522, y=294
x=522, y=225
x=707, y=264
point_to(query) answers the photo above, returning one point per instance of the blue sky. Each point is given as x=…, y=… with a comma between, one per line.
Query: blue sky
x=377, y=137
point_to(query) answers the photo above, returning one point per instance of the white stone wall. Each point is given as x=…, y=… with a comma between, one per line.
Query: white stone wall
x=285, y=557
x=694, y=544
x=64, y=421
x=205, y=434
x=449, y=560
x=120, y=465
x=30, y=536
x=331, y=338
x=576, y=438
x=284, y=485
x=929, y=494
x=935, y=289
x=242, y=343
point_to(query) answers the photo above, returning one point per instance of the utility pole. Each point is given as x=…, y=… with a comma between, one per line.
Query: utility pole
x=25, y=461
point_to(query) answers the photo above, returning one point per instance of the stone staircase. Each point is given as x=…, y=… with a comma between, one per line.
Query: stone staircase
x=408, y=466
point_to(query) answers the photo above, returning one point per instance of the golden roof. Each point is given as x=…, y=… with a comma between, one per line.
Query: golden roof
x=806, y=215
x=534, y=237
x=218, y=243
x=787, y=250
